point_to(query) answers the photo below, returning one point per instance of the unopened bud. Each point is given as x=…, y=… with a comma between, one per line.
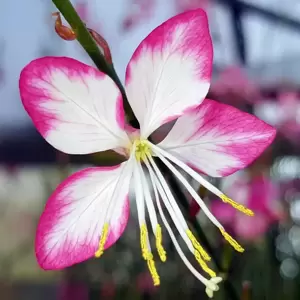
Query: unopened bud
x=102, y=43
x=63, y=31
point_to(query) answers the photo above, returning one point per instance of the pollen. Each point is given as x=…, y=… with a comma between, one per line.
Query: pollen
x=197, y=246
x=147, y=255
x=236, y=205
x=103, y=239
x=232, y=241
x=203, y=264
x=142, y=150
x=160, y=249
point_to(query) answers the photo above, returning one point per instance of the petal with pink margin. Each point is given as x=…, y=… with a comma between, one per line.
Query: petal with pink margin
x=170, y=71
x=70, y=227
x=75, y=107
x=218, y=139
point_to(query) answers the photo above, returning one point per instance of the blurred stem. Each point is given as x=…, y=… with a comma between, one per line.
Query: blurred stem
x=89, y=45
x=227, y=257
x=177, y=192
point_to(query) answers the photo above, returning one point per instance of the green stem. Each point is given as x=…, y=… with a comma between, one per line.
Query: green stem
x=89, y=45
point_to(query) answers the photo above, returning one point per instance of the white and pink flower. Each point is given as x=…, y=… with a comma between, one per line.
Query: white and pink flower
x=79, y=110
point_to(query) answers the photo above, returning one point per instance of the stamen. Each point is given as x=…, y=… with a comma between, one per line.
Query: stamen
x=144, y=241
x=190, y=190
x=153, y=271
x=145, y=245
x=208, y=283
x=197, y=246
x=152, y=214
x=103, y=239
x=232, y=241
x=236, y=205
x=201, y=180
x=160, y=249
x=162, y=154
x=147, y=197
x=203, y=264
x=147, y=255
x=168, y=199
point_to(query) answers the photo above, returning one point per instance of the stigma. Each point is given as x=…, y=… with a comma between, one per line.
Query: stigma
x=142, y=149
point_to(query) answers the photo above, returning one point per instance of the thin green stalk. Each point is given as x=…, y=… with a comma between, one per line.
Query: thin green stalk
x=85, y=39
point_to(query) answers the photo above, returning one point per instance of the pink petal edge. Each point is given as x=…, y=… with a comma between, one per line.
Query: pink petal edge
x=70, y=254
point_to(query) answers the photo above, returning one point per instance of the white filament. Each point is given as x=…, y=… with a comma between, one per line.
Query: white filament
x=187, y=169
x=205, y=281
x=147, y=197
x=193, y=193
x=139, y=196
x=169, y=202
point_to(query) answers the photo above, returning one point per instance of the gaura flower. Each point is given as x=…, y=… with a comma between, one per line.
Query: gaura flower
x=79, y=110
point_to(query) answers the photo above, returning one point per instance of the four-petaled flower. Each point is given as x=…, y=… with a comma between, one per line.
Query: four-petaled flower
x=79, y=110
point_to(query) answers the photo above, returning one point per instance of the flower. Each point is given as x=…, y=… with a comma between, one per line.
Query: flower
x=261, y=195
x=79, y=110
x=233, y=85
x=139, y=10
x=284, y=114
x=185, y=5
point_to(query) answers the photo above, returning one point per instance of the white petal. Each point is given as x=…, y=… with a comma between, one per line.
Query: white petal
x=75, y=107
x=70, y=227
x=170, y=70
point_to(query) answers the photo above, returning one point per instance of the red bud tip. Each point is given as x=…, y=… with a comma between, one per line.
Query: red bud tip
x=63, y=31
x=102, y=43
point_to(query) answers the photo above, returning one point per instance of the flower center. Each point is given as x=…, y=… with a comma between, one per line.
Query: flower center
x=142, y=149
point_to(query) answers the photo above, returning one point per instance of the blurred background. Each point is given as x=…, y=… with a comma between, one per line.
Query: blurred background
x=256, y=68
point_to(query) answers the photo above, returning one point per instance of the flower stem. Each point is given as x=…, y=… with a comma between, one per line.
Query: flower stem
x=89, y=45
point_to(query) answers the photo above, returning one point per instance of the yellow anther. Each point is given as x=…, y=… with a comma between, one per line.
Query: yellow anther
x=232, y=241
x=203, y=264
x=147, y=255
x=160, y=249
x=144, y=241
x=236, y=205
x=103, y=239
x=153, y=271
x=197, y=245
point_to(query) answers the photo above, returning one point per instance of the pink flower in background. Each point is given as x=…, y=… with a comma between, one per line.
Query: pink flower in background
x=108, y=290
x=79, y=110
x=284, y=114
x=185, y=5
x=139, y=11
x=289, y=110
x=83, y=10
x=144, y=283
x=142, y=10
x=73, y=291
x=262, y=196
x=232, y=86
